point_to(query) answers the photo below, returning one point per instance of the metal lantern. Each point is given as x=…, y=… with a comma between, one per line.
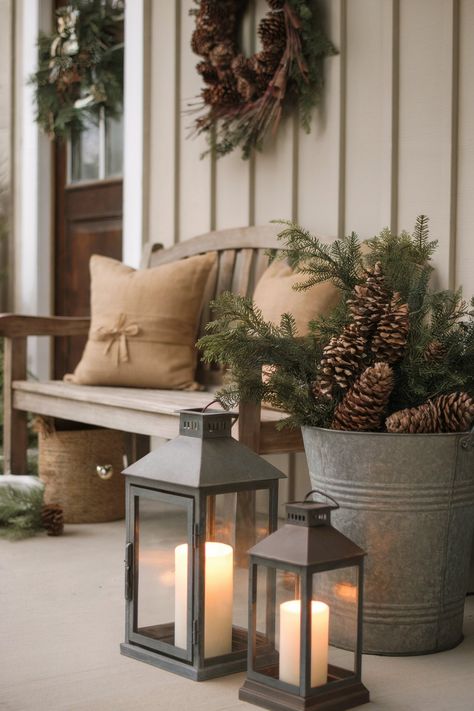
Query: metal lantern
x=194, y=508
x=305, y=586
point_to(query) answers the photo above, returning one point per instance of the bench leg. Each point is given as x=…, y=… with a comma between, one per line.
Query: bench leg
x=15, y=430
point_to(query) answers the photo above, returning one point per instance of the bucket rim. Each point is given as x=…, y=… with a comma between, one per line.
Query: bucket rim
x=356, y=433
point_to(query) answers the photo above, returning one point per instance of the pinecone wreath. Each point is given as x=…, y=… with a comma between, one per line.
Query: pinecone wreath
x=52, y=519
x=445, y=413
x=363, y=408
x=243, y=98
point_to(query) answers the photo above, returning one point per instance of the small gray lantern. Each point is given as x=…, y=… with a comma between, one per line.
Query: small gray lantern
x=306, y=584
x=194, y=508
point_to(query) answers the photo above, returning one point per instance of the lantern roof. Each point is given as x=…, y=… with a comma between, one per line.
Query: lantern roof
x=204, y=455
x=307, y=546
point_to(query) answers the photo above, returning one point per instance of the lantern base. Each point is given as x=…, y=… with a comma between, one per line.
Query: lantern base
x=176, y=666
x=260, y=694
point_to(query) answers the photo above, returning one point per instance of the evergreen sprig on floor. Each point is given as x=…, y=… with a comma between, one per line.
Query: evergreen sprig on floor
x=427, y=336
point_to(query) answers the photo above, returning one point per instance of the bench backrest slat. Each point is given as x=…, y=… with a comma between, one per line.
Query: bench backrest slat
x=242, y=259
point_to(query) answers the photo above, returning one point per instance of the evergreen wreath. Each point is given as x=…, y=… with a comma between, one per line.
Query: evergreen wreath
x=245, y=97
x=80, y=66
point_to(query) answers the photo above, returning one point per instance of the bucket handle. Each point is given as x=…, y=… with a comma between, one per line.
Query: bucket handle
x=318, y=491
x=467, y=442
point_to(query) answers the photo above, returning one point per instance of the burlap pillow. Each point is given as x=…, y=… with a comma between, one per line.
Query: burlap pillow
x=274, y=295
x=143, y=324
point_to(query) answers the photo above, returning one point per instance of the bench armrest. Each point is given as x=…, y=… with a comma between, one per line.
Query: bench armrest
x=16, y=326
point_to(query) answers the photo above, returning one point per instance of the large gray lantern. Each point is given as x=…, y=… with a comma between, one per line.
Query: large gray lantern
x=306, y=584
x=194, y=507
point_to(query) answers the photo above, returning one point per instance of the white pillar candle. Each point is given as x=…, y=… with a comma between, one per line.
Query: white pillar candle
x=218, y=585
x=290, y=624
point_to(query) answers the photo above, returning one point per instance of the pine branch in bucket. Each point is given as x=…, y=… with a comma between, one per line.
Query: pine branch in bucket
x=394, y=355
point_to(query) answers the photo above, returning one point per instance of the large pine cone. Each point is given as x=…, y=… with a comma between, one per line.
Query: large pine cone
x=52, y=519
x=241, y=67
x=341, y=362
x=445, y=413
x=363, y=407
x=272, y=31
x=455, y=412
x=391, y=335
x=370, y=300
x=414, y=420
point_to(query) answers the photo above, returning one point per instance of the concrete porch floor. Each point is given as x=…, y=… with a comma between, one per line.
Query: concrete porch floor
x=62, y=610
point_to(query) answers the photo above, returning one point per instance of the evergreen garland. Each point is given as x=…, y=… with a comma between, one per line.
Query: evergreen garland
x=244, y=98
x=80, y=66
x=438, y=357
x=21, y=508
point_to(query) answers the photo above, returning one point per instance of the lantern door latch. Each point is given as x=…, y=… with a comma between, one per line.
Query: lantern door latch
x=129, y=571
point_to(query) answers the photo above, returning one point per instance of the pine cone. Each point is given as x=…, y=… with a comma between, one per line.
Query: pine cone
x=241, y=67
x=276, y=4
x=272, y=31
x=217, y=9
x=208, y=73
x=246, y=89
x=202, y=42
x=341, y=362
x=363, y=407
x=434, y=352
x=445, y=413
x=223, y=94
x=390, y=338
x=264, y=63
x=369, y=301
x=455, y=412
x=414, y=420
x=222, y=54
x=52, y=519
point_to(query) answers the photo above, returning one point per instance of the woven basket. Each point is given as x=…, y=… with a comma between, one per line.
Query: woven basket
x=81, y=470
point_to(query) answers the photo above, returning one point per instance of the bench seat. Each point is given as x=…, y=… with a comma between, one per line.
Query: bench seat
x=135, y=410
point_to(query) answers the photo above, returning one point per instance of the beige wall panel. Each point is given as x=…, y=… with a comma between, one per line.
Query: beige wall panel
x=368, y=116
x=425, y=119
x=465, y=221
x=233, y=174
x=163, y=122
x=194, y=172
x=274, y=177
x=318, y=151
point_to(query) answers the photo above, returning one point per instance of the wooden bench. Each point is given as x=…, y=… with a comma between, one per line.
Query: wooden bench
x=241, y=260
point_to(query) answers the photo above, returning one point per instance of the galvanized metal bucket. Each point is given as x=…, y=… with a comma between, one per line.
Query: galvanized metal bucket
x=408, y=500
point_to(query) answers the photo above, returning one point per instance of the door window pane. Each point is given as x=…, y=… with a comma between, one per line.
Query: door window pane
x=85, y=154
x=113, y=146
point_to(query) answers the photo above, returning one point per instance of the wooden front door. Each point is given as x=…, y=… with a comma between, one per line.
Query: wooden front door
x=88, y=221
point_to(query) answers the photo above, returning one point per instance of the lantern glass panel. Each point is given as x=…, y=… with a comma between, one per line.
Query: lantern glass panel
x=274, y=632
x=226, y=588
x=163, y=524
x=338, y=589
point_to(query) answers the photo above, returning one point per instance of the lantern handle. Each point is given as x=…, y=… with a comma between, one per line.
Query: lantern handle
x=234, y=415
x=318, y=491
